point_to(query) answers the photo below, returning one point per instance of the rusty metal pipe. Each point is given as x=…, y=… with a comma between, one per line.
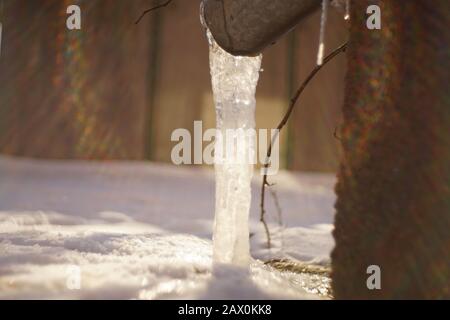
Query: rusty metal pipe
x=247, y=27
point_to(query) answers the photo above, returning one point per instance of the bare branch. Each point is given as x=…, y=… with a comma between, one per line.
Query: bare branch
x=281, y=125
x=165, y=4
x=277, y=206
x=335, y=134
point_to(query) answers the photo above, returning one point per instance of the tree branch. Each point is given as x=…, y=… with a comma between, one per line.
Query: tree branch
x=281, y=125
x=165, y=4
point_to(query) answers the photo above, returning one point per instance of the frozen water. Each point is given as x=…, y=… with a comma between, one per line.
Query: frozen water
x=347, y=10
x=323, y=23
x=1, y=31
x=234, y=80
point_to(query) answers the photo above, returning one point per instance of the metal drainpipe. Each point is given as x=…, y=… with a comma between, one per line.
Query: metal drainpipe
x=246, y=27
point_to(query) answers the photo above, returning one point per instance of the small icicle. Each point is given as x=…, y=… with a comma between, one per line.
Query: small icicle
x=323, y=23
x=1, y=24
x=347, y=10
x=1, y=31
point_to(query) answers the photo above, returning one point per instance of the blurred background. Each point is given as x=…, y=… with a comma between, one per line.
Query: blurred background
x=116, y=90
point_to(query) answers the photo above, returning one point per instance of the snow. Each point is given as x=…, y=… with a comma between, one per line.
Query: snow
x=234, y=81
x=143, y=231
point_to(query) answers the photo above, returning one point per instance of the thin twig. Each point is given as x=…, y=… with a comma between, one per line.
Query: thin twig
x=335, y=134
x=283, y=122
x=276, y=201
x=165, y=4
x=279, y=214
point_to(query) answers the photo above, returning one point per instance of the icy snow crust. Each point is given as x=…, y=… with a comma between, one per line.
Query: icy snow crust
x=142, y=231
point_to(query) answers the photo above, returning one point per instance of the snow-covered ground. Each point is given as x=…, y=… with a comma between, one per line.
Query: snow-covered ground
x=130, y=230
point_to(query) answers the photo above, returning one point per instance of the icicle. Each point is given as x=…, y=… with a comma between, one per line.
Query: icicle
x=347, y=10
x=1, y=31
x=323, y=23
x=234, y=81
x=1, y=24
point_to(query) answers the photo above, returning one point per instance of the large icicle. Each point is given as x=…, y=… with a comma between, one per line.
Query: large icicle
x=234, y=81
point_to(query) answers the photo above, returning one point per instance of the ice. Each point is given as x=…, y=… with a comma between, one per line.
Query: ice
x=1, y=32
x=234, y=80
x=323, y=24
x=347, y=10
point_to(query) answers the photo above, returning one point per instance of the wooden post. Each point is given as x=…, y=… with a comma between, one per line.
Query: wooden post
x=393, y=207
